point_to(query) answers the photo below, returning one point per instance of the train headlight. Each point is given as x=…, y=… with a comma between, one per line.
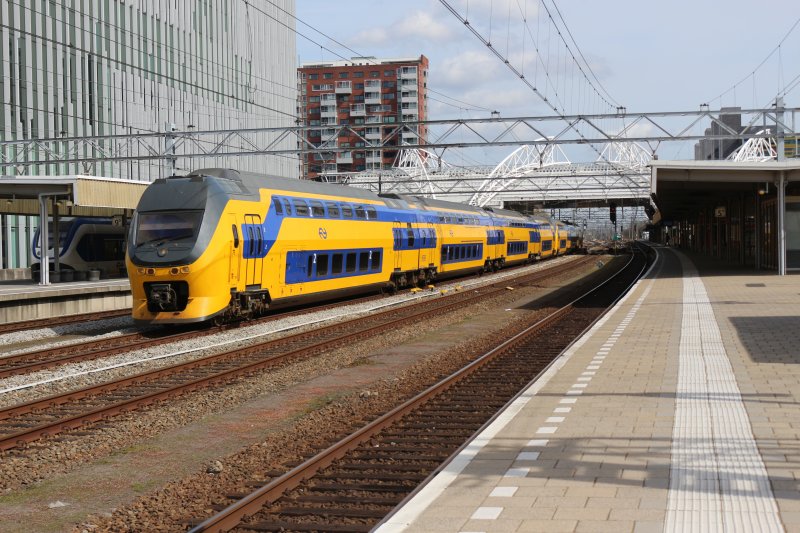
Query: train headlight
x=174, y=271
x=185, y=270
x=162, y=252
x=151, y=271
x=141, y=271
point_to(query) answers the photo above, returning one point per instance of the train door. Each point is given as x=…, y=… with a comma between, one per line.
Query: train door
x=427, y=254
x=253, y=253
x=414, y=247
x=397, y=234
x=235, y=251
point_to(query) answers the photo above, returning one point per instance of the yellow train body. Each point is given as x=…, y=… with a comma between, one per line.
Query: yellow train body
x=219, y=244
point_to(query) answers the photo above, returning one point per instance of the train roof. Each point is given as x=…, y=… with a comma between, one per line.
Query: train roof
x=253, y=181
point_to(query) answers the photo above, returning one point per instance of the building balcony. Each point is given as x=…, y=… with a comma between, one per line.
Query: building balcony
x=328, y=111
x=408, y=73
x=344, y=158
x=328, y=98
x=373, y=135
x=372, y=84
x=374, y=157
x=344, y=87
x=411, y=137
x=358, y=110
x=328, y=134
x=372, y=98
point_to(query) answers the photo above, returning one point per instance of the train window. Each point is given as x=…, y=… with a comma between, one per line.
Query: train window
x=300, y=207
x=451, y=250
x=316, y=209
x=322, y=265
x=260, y=241
x=372, y=214
x=286, y=206
x=250, y=242
x=376, y=260
x=363, y=261
x=278, y=206
x=350, y=264
x=336, y=264
x=235, y=236
x=410, y=234
x=360, y=213
x=333, y=210
x=310, y=268
x=347, y=211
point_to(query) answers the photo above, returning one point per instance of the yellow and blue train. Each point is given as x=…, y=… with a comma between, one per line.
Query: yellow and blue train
x=221, y=244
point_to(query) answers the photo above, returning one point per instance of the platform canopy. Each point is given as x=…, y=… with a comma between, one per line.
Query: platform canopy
x=77, y=195
x=680, y=187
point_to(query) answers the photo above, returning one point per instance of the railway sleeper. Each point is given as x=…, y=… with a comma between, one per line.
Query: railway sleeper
x=289, y=526
x=383, y=466
x=387, y=476
x=333, y=511
x=354, y=487
x=338, y=498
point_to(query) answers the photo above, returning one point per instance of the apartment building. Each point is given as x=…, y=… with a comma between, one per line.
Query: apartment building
x=357, y=106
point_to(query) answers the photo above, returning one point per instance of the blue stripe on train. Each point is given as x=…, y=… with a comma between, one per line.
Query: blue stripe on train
x=316, y=265
x=457, y=253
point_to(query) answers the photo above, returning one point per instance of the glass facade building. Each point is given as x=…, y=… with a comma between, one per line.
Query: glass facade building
x=75, y=68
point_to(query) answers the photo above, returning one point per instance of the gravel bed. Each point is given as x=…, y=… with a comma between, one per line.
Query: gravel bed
x=46, y=459
x=38, y=339
x=60, y=379
x=169, y=508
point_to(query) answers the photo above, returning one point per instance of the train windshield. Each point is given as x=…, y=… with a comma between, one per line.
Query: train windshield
x=162, y=226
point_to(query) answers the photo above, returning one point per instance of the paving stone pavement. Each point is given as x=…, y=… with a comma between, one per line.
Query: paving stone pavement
x=677, y=412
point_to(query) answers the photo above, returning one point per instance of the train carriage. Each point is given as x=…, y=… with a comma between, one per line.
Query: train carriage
x=514, y=230
x=545, y=235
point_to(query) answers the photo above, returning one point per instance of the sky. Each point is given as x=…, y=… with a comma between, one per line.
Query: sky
x=646, y=56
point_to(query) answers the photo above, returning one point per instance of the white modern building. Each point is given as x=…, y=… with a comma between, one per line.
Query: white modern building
x=109, y=67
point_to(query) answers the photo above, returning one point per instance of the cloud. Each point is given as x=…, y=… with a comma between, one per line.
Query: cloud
x=418, y=26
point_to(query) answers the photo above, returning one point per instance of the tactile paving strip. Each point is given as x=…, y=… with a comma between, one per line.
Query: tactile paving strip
x=718, y=481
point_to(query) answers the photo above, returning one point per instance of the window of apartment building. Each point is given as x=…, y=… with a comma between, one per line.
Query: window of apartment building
x=313, y=76
x=344, y=122
x=344, y=145
x=389, y=119
x=344, y=75
x=389, y=84
x=314, y=123
x=388, y=96
x=388, y=73
x=328, y=75
x=359, y=86
x=374, y=74
x=359, y=121
x=360, y=144
x=358, y=74
x=358, y=97
x=313, y=99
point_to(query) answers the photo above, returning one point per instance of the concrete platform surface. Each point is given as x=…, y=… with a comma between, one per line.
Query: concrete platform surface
x=678, y=411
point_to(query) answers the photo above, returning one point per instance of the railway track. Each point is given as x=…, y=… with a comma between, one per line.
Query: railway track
x=28, y=362
x=355, y=483
x=27, y=325
x=31, y=421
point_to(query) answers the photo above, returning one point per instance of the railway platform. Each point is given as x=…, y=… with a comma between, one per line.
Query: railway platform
x=25, y=299
x=678, y=411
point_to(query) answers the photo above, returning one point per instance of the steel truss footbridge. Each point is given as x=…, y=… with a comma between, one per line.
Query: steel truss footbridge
x=537, y=171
